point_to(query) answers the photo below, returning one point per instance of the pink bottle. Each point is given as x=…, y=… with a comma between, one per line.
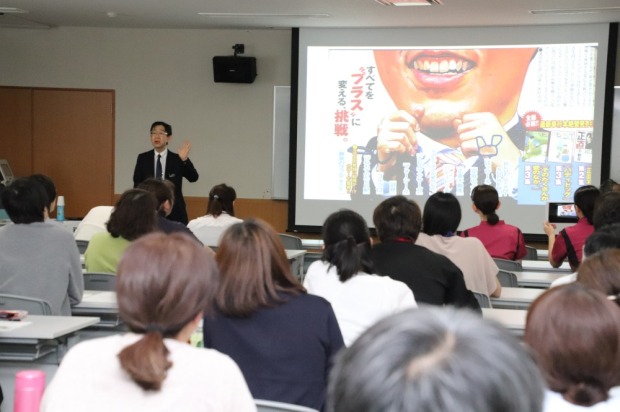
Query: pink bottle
x=29, y=386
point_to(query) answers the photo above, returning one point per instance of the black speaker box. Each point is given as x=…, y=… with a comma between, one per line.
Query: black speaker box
x=234, y=69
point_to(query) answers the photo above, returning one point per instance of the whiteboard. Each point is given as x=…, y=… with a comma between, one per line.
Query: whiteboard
x=281, y=141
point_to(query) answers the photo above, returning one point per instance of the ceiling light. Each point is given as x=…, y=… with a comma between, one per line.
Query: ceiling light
x=253, y=15
x=409, y=2
x=576, y=11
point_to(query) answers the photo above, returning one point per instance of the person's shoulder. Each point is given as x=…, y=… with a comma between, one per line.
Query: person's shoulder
x=311, y=301
x=145, y=154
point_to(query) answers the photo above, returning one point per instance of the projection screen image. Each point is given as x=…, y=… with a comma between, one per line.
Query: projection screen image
x=417, y=121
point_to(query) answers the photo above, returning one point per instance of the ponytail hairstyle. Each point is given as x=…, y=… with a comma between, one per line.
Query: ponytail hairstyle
x=574, y=334
x=486, y=200
x=221, y=198
x=164, y=283
x=347, y=244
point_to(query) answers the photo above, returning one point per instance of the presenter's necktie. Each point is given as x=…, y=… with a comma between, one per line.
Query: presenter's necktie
x=158, y=169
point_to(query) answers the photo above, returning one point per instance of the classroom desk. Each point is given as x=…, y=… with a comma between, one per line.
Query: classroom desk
x=544, y=266
x=512, y=319
x=543, y=254
x=40, y=344
x=516, y=298
x=312, y=244
x=541, y=280
x=99, y=303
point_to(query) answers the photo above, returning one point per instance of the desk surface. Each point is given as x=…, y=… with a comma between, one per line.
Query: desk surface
x=519, y=297
x=48, y=327
x=97, y=299
x=294, y=253
x=513, y=319
x=534, y=279
x=542, y=265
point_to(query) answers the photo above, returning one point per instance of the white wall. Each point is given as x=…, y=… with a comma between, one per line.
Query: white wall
x=166, y=75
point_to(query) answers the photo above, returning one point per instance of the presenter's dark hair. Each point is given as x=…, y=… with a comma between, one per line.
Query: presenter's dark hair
x=607, y=210
x=347, y=244
x=435, y=359
x=48, y=185
x=607, y=237
x=134, y=215
x=486, y=200
x=585, y=198
x=25, y=200
x=574, y=333
x=221, y=199
x=254, y=270
x=397, y=217
x=162, y=190
x=166, y=126
x=164, y=282
x=442, y=215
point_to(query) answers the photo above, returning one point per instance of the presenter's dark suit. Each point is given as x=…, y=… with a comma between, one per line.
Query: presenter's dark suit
x=176, y=170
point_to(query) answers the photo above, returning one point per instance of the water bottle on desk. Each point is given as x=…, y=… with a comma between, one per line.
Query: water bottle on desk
x=60, y=209
x=29, y=386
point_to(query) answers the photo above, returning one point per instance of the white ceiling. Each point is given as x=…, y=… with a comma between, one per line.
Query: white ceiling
x=183, y=14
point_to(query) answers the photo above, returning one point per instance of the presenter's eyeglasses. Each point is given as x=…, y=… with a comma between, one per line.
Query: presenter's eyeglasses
x=159, y=133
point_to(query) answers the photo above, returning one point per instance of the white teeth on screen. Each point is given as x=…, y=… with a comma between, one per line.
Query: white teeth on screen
x=441, y=66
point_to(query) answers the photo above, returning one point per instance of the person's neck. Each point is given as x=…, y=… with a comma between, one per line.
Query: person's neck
x=160, y=151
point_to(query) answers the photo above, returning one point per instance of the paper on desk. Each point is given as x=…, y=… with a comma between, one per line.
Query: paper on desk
x=8, y=325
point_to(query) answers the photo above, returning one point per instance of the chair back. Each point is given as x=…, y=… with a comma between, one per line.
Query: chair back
x=82, y=245
x=531, y=253
x=290, y=242
x=34, y=306
x=99, y=281
x=507, y=279
x=509, y=265
x=483, y=300
x=293, y=243
x=273, y=406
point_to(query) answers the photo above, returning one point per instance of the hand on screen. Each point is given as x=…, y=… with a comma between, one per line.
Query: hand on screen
x=472, y=125
x=397, y=134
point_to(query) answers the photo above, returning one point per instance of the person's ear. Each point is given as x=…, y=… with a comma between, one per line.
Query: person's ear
x=166, y=207
x=474, y=208
x=499, y=204
x=53, y=205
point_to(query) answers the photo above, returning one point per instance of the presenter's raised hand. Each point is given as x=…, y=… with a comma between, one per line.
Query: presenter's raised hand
x=397, y=134
x=183, y=151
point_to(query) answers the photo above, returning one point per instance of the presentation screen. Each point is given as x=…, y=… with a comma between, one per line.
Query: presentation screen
x=384, y=112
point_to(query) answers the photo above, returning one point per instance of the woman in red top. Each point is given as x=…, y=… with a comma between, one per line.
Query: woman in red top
x=501, y=240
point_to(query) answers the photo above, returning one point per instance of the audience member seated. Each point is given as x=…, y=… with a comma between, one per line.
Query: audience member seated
x=94, y=222
x=165, y=284
x=601, y=272
x=569, y=243
x=220, y=215
x=38, y=259
x=574, y=334
x=500, y=239
x=609, y=185
x=607, y=210
x=441, y=218
x=163, y=190
x=433, y=278
x=345, y=276
x=133, y=216
x=282, y=338
x=50, y=189
x=435, y=360
x=607, y=237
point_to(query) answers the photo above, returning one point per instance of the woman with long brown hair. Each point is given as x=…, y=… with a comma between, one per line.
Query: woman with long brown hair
x=282, y=338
